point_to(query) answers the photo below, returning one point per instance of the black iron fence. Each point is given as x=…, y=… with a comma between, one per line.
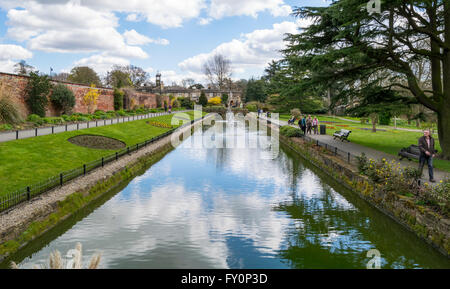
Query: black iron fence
x=26, y=194
x=39, y=131
x=344, y=155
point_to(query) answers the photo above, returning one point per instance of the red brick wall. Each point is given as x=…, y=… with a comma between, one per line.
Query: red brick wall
x=105, y=102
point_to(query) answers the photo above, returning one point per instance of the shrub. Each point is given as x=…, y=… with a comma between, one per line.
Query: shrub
x=290, y=131
x=63, y=98
x=91, y=97
x=9, y=113
x=53, y=120
x=176, y=103
x=215, y=101
x=203, y=100
x=186, y=102
x=385, y=118
x=37, y=89
x=121, y=112
x=296, y=112
x=252, y=107
x=36, y=119
x=5, y=127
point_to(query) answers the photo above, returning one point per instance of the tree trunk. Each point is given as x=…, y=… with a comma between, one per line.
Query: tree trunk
x=444, y=130
x=374, y=122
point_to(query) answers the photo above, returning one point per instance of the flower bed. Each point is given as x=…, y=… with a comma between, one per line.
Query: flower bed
x=159, y=124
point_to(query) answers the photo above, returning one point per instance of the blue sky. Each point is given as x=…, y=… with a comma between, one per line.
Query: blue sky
x=175, y=36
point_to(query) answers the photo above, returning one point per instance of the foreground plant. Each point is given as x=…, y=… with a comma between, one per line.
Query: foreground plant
x=56, y=261
x=389, y=176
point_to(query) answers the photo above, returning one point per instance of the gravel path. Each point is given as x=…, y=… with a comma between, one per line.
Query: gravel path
x=17, y=219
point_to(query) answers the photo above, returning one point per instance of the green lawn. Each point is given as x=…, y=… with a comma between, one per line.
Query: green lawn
x=28, y=161
x=389, y=141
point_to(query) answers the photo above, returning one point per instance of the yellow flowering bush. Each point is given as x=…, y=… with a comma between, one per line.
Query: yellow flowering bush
x=215, y=100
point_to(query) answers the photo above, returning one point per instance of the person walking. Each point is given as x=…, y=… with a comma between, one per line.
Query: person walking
x=309, y=124
x=303, y=124
x=315, y=124
x=170, y=108
x=427, y=153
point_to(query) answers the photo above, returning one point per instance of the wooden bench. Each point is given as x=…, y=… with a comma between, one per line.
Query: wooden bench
x=342, y=134
x=412, y=152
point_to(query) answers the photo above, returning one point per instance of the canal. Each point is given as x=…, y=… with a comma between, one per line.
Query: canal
x=233, y=208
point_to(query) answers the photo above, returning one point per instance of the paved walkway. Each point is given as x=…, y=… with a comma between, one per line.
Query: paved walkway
x=21, y=134
x=356, y=149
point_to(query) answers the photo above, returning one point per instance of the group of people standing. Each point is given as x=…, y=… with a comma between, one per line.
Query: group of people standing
x=307, y=124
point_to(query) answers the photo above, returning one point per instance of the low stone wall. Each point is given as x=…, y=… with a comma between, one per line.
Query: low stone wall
x=424, y=222
x=18, y=83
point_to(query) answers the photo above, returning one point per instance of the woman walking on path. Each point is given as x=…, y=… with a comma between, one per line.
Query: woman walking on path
x=315, y=124
x=309, y=124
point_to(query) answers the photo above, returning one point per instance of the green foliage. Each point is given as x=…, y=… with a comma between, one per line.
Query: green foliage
x=118, y=99
x=6, y=127
x=252, y=107
x=36, y=119
x=118, y=79
x=37, y=89
x=215, y=109
x=290, y=131
x=225, y=98
x=256, y=90
x=20, y=158
x=385, y=118
x=186, y=102
x=203, y=100
x=391, y=177
x=53, y=120
x=84, y=75
x=9, y=113
x=63, y=98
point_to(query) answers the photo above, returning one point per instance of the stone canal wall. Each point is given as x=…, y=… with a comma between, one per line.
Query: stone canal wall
x=424, y=222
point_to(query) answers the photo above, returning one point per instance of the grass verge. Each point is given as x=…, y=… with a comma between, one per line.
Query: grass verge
x=28, y=161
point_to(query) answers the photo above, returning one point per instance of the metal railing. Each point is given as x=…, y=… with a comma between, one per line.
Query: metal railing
x=29, y=133
x=27, y=193
x=344, y=155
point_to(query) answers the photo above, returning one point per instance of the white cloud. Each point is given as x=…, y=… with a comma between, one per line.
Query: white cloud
x=10, y=52
x=204, y=21
x=220, y=9
x=10, y=55
x=101, y=63
x=7, y=66
x=132, y=37
x=69, y=28
x=167, y=14
x=253, y=50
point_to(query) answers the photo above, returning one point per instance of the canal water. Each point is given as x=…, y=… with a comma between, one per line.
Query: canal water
x=235, y=208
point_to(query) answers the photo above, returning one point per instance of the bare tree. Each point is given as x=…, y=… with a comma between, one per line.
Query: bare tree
x=218, y=70
x=187, y=82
